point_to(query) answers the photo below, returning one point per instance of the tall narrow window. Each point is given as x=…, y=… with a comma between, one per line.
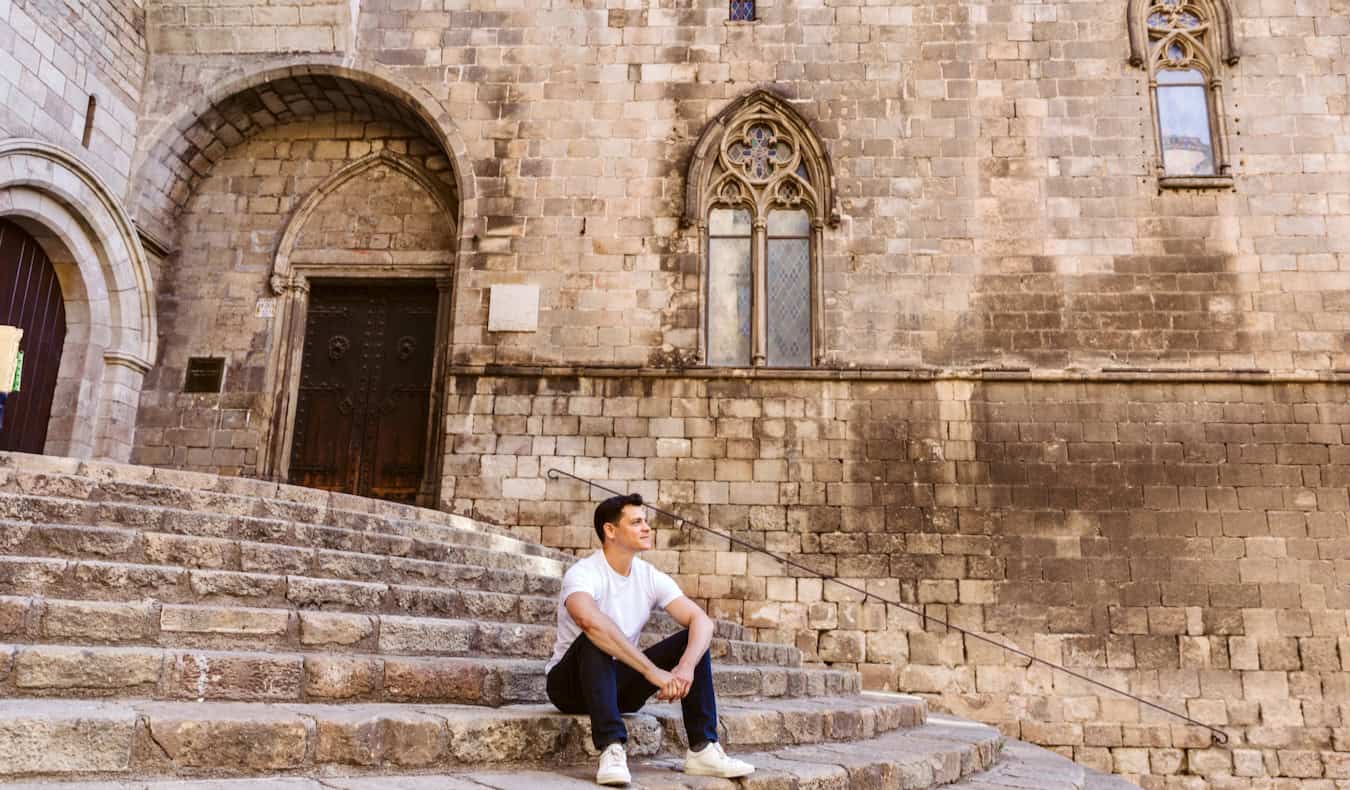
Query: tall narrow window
x=729, y=287
x=89, y=111
x=1184, y=123
x=742, y=10
x=789, y=289
x=760, y=189
x=1183, y=43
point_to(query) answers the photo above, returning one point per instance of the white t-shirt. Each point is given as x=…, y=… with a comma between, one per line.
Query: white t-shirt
x=627, y=600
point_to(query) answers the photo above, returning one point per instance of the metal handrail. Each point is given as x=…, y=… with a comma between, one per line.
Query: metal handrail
x=1217, y=735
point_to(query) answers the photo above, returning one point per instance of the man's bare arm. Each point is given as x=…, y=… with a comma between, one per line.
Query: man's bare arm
x=700, y=625
x=605, y=634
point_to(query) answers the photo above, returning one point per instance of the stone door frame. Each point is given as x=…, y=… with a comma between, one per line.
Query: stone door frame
x=293, y=274
x=107, y=282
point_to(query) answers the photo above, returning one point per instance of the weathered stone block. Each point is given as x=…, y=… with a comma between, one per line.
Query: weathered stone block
x=340, y=677
x=60, y=737
x=99, y=622
x=51, y=667
x=232, y=738
x=334, y=628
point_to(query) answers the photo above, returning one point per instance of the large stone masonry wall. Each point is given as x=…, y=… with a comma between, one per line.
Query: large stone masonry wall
x=995, y=161
x=55, y=54
x=249, y=26
x=1185, y=541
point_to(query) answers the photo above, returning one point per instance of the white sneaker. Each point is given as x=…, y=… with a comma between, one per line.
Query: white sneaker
x=613, y=766
x=712, y=761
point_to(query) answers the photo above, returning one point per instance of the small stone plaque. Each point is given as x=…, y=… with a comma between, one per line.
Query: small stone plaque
x=204, y=374
x=267, y=308
x=513, y=308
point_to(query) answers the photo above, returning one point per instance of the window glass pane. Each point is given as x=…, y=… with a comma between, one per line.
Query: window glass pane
x=729, y=287
x=1180, y=77
x=742, y=10
x=789, y=297
x=729, y=222
x=789, y=223
x=1183, y=119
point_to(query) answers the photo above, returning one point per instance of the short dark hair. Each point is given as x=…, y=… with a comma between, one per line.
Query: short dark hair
x=609, y=511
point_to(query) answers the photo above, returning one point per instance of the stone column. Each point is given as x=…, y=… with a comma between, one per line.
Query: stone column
x=759, y=332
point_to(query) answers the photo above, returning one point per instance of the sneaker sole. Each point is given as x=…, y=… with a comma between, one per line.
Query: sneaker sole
x=717, y=775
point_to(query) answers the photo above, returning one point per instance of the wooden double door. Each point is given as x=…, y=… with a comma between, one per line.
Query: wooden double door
x=31, y=299
x=363, y=414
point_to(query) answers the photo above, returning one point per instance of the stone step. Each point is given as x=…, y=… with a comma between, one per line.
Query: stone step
x=927, y=756
x=1024, y=766
x=194, y=491
x=28, y=670
x=97, y=580
x=473, y=569
x=394, y=538
x=36, y=620
x=119, y=581
x=57, y=739
x=53, y=490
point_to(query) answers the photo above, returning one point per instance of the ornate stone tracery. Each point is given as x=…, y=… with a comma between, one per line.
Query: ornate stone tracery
x=759, y=157
x=1213, y=23
x=759, y=152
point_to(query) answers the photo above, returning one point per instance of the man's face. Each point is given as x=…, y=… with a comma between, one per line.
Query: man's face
x=632, y=532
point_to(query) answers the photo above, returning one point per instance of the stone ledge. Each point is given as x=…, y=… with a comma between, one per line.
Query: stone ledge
x=915, y=374
x=147, y=738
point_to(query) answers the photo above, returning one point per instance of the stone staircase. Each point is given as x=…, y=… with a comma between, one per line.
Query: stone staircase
x=162, y=628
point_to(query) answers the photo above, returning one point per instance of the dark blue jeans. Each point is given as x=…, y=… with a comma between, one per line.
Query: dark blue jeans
x=590, y=681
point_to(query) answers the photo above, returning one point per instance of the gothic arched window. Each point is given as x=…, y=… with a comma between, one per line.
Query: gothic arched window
x=760, y=191
x=1182, y=44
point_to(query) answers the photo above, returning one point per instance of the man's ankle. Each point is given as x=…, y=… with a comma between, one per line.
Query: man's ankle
x=698, y=747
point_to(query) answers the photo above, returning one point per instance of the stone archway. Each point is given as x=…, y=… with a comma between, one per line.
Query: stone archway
x=108, y=288
x=262, y=350
x=182, y=146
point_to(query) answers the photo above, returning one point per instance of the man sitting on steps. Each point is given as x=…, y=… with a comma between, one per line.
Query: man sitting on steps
x=604, y=604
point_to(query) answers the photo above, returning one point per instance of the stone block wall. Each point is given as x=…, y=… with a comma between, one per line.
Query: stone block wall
x=999, y=197
x=1185, y=541
x=252, y=26
x=55, y=55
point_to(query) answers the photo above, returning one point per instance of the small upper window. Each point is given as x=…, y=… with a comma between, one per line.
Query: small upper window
x=1182, y=44
x=742, y=10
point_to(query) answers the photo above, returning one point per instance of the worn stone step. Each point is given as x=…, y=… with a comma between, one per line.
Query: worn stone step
x=394, y=538
x=56, y=739
x=104, y=480
x=28, y=670
x=48, y=499
x=240, y=507
x=920, y=758
x=113, y=581
x=36, y=620
x=97, y=580
x=1023, y=766
x=474, y=569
